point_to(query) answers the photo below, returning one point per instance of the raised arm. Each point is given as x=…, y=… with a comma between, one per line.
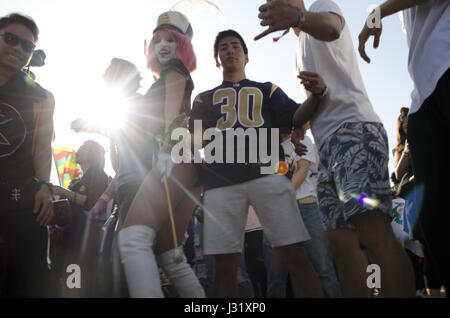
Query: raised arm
x=175, y=86
x=373, y=26
x=42, y=161
x=281, y=15
x=314, y=83
x=301, y=173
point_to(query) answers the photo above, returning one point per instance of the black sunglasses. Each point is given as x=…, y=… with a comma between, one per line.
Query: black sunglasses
x=13, y=40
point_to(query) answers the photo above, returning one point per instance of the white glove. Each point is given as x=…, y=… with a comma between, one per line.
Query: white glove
x=165, y=164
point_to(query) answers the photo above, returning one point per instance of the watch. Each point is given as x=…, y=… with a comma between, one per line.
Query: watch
x=323, y=94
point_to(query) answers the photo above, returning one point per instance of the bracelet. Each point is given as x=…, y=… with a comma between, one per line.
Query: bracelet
x=301, y=18
x=48, y=184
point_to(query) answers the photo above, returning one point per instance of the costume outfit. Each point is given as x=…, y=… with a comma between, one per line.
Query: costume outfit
x=352, y=142
x=140, y=266
x=135, y=152
x=231, y=187
x=23, y=242
x=427, y=28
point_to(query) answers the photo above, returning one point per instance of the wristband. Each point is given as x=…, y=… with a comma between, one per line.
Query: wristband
x=301, y=18
x=48, y=184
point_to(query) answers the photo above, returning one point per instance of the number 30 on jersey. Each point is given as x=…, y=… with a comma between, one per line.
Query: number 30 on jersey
x=239, y=107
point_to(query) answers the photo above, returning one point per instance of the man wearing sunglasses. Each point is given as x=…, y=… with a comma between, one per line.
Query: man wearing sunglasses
x=26, y=130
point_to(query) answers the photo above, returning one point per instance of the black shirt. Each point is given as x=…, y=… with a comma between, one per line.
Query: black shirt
x=21, y=100
x=157, y=92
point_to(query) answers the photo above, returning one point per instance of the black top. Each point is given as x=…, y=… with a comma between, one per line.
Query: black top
x=157, y=92
x=20, y=100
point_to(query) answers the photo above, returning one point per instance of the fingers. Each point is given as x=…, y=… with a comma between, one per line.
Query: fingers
x=37, y=206
x=362, y=51
x=45, y=216
x=300, y=149
x=297, y=135
x=309, y=73
x=309, y=81
x=309, y=78
x=376, y=40
x=265, y=17
x=50, y=215
x=363, y=37
x=263, y=7
x=263, y=34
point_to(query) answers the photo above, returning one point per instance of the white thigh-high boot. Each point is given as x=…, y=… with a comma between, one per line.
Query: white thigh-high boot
x=180, y=274
x=136, y=253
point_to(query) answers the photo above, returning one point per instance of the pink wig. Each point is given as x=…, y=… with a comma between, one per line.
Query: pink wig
x=183, y=51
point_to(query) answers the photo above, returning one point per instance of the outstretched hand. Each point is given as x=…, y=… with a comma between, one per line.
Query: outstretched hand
x=277, y=15
x=364, y=36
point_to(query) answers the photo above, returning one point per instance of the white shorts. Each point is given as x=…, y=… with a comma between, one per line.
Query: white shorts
x=226, y=209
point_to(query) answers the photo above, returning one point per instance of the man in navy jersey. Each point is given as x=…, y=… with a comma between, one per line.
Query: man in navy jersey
x=232, y=185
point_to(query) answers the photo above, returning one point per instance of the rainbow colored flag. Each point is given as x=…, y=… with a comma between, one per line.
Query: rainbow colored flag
x=66, y=165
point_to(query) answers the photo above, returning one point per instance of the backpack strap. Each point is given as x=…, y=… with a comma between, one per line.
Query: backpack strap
x=36, y=126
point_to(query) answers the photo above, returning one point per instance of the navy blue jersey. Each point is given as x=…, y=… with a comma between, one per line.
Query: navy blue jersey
x=245, y=105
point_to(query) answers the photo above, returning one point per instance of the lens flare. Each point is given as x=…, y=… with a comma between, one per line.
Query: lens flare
x=281, y=168
x=363, y=199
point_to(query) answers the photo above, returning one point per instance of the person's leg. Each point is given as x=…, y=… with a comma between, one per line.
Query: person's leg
x=225, y=216
x=245, y=285
x=277, y=272
x=428, y=147
x=204, y=264
x=375, y=233
x=172, y=260
x=286, y=231
x=352, y=160
x=147, y=214
x=305, y=281
x=361, y=167
x=225, y=280
x=433, y=283
x=317, y=250
x=350, y=262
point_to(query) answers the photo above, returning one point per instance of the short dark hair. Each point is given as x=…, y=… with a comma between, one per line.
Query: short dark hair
x=26, y=21
x=224, y=34
x=96, y=154
x=124, y=73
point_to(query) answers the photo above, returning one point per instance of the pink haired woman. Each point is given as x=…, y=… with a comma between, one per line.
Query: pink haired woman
x=147, y=228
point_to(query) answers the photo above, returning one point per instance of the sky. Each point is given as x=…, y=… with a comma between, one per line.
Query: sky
x=81, y=37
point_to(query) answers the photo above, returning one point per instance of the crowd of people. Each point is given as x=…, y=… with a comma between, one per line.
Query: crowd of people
x=261, y=210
